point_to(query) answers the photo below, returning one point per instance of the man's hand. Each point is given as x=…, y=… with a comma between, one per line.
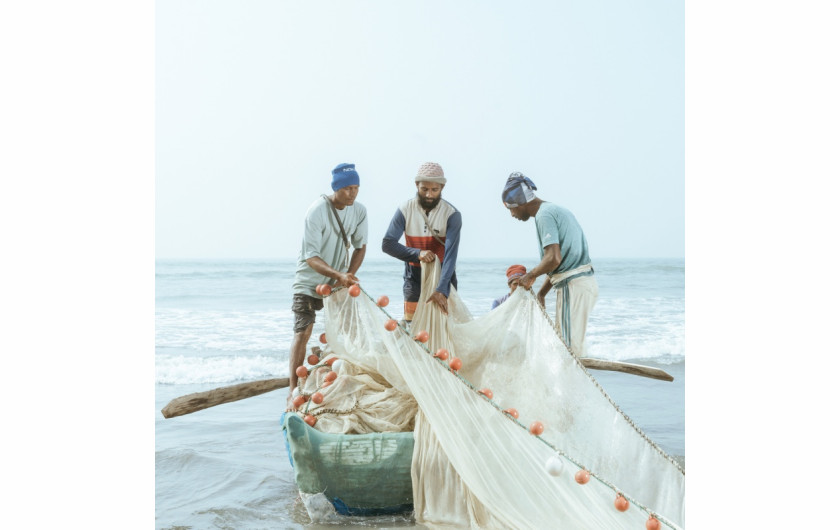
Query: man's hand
x=439, y=301
x=427, y=256
x=527, y=280
x=345, y=279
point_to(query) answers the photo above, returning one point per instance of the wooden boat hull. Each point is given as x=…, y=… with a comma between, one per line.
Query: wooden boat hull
x=360, y=474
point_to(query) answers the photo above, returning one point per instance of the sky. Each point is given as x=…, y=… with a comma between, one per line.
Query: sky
x=256, y=102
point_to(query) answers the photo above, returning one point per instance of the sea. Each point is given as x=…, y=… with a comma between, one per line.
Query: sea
x=223, y=322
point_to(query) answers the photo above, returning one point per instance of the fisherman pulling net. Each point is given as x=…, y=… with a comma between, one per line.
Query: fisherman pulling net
x=474, y=464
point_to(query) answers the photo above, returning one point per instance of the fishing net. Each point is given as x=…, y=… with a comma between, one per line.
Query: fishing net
x=473, y=464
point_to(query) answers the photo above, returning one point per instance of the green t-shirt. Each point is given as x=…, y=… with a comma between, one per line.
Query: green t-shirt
x=322, y=238
x=557, y=225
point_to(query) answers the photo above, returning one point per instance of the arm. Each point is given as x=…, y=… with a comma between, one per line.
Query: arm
x=447, y=268
x=551, y=259
x=450, y=253
x=356, y=259
x=346, y=279
x=391, y=242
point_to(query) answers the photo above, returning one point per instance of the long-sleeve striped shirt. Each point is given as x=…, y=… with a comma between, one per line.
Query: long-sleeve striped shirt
x=445, y=223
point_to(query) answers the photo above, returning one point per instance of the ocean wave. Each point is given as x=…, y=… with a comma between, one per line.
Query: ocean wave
x=185, y=369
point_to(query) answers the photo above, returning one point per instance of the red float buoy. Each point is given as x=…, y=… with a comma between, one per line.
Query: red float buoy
x=330, y=376
x=354, y=290
x=298, y=401
x=582, y=476
x=652, y=523
x=422, y=336
x=310, y=420
x=621, y=504
x=536, y=428
x=313, y=359
x=487, y=392
x=301, y=372
x=331, y=360
x=383, y=301
x=391, y=325
x=323, y=338
x=455, y=364
x=317, y=398
x=512, y=412
x=442, y=354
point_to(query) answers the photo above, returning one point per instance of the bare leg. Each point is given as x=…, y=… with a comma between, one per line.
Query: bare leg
x=296, y=355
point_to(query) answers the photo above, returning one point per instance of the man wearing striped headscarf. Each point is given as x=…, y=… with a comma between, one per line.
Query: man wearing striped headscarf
x=564, y=257
x=432, y=227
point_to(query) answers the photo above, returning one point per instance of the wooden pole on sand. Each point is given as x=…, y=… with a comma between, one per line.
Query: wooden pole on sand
x=203, y=400
x=628, y=368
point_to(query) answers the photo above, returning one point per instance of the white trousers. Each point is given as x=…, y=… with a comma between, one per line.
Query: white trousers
x=575, y=300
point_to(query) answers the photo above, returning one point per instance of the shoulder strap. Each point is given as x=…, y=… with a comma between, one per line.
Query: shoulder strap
x=429, y=224
x=341, y=227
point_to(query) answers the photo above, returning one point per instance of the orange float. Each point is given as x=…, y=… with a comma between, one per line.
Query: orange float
x=330, y=377
x=331, y=360
x=422, y=336
x=455, y=364
x=487, y=392
x=317, y=398
x=301, y=371
x=323, y=338
x=313, y=359
x=442, y=354
x=391, y=325
x=621, y=504
x=652, y=523
x=310, y=420
x=582, y=476
x=354, y=290
x=512, y=412
x=298, y=401
x=536, y=428
x=383, y=301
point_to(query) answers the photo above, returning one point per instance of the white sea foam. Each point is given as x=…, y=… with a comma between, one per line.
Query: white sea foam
x=184, y=369
x=232, y=331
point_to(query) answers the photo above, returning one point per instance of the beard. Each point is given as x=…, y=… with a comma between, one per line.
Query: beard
x=428, y=204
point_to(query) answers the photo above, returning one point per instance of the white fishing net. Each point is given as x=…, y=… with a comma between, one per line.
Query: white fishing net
x=473, y=464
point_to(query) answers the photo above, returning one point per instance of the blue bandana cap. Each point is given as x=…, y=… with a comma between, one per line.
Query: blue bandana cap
x=519, y=190
x=344, y=175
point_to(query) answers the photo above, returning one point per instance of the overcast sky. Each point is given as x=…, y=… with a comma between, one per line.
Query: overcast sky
x=257, y=101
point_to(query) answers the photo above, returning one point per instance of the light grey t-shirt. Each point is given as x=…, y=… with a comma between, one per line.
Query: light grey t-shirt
x=557, y=225
x=322, y=238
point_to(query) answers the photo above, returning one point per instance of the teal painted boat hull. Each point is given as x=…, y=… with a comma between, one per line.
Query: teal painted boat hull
x=361, y=474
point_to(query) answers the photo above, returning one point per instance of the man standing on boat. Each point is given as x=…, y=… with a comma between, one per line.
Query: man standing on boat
x=333, y=223
x=564, y=257
x=432, y=227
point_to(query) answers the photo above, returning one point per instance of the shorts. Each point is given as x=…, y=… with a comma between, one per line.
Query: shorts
x=304, y=307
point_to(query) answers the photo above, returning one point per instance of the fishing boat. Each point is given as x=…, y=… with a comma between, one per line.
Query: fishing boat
x=360, y=474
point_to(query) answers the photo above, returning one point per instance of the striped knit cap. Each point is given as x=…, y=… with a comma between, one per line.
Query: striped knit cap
x=430, y=172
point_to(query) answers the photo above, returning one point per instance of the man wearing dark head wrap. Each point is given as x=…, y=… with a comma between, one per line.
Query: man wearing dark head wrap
x=564, y=257
x=325, y=255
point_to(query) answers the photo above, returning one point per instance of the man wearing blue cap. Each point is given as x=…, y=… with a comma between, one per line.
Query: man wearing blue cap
x=333, y=224
x=564, y=257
